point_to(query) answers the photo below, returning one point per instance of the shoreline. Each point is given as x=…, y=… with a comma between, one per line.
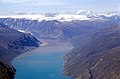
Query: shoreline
x=47, y=50
x=48, y=45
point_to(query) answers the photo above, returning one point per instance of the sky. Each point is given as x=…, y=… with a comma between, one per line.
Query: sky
x=59, y=6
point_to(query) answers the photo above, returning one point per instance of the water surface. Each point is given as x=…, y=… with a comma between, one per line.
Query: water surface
x=41, y=63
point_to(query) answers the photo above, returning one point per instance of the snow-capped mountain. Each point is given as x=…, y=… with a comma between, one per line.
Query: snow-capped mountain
x=80, y=15
x=60, y=25
x=47, y=17
x=88, y=13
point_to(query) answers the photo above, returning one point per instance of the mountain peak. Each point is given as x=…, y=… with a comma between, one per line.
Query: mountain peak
x=84, y=12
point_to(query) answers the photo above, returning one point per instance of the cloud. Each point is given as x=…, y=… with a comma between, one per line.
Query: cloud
x=35, y=2
x=45, y=3
x=58, y=5
x=14, y=1
x=18, y=13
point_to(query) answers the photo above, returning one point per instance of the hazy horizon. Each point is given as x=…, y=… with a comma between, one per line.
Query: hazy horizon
x=8, y=7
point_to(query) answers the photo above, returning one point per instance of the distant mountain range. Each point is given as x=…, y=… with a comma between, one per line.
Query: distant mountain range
x=60, y=26
x=80, y=15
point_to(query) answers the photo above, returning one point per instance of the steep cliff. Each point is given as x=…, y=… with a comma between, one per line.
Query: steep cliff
x=6, y=71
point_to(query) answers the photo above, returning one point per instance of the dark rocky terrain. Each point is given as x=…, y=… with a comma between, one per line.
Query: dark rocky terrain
x=6, y=71
x=96, y=56
x=12, y=44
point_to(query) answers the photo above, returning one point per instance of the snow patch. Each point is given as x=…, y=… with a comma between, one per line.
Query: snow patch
x=22, y=31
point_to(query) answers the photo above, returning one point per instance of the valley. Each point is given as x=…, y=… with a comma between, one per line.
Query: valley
x=89, y=46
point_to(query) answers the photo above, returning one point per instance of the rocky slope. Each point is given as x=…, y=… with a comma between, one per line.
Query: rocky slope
x=97, y=58
x=12, y=44
x=56, y=29
x=6, y=71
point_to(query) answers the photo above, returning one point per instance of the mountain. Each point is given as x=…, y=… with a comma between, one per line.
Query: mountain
x=95, y=55
x=60, y=26
x=12, y=44
x=88, y=14
x=7, y=71
x=2, y=25
x=16, y=42
x=80, y=15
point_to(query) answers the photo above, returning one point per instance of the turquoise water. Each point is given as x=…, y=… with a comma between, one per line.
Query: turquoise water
x=41, y=63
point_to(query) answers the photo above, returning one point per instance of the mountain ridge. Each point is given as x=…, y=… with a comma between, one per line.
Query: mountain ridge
x=12, y=44
x=54, y=29
x=97, y=57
